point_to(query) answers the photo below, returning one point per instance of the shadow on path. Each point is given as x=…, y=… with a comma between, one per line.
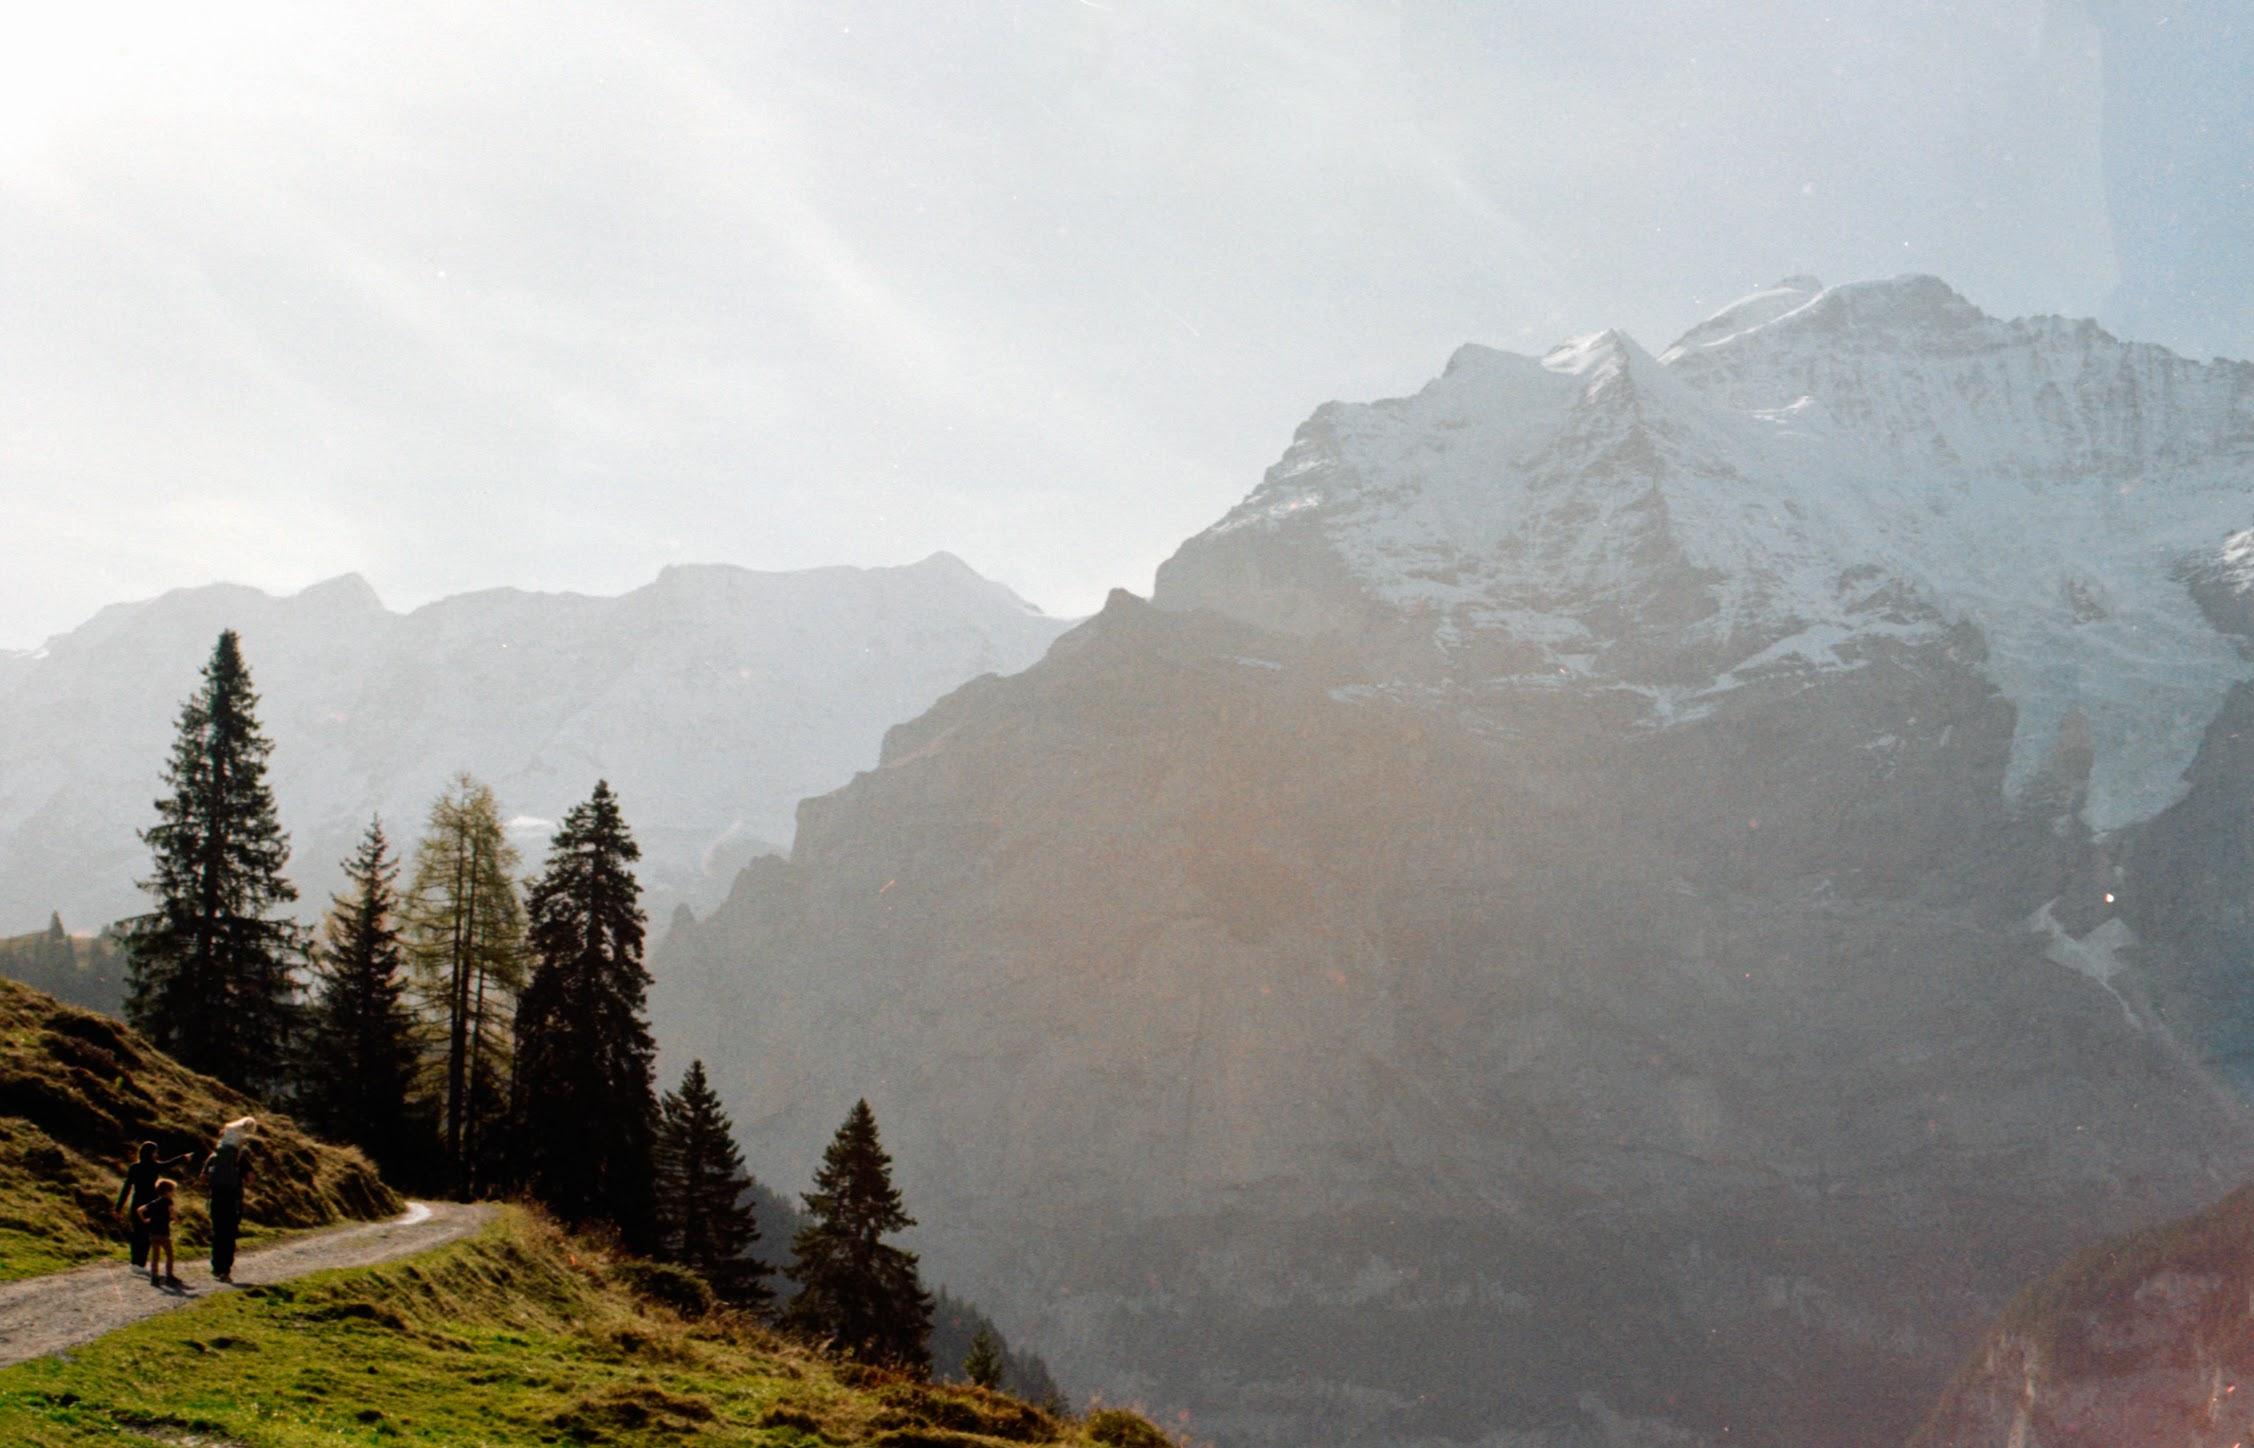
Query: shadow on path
x=48, y=1314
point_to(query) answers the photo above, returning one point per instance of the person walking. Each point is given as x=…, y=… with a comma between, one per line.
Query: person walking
x=141, y=1184
x=226, y=1172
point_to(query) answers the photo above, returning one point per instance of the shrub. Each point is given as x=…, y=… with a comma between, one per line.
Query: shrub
x=1118, y=1428
x=665, y=1284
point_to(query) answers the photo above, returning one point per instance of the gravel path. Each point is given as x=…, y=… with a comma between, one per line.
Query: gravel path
x=47, y=1314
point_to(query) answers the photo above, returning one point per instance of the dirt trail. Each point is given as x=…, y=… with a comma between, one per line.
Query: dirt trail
x=47, y=1314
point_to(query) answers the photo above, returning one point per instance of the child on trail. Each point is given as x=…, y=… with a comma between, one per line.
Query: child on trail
x=140, y=1185
x=156, y=1219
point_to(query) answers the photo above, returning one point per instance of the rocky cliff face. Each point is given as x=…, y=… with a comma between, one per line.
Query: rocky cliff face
x=713, y=699
x=1587, y=914
x=2145, y=1339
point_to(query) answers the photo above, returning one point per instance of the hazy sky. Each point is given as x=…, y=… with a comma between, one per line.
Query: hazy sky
x=551, y=294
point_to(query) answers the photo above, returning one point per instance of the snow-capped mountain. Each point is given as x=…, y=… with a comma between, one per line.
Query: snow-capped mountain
x=1805, y=475
x=1618, y=900
x=713, y=699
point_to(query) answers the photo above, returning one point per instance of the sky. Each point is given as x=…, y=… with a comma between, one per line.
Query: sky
x=553, y=294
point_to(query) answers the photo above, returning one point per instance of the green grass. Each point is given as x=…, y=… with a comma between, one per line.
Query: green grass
x=518, y=1336
x=79, y=1092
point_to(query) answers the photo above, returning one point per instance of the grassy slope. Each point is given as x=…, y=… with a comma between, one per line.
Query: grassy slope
x=78, y=1092
x=520, y=1335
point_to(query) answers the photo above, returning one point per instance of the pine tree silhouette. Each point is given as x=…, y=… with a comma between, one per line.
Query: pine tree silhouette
x=56, y=954
x=704, y=1220
x=210, y=974
x=855, y=1289
x=360, y=1054
x=587, y=1106
x=983, y=1365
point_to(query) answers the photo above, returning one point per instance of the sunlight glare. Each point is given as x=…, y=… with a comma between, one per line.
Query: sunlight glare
x=67, y=67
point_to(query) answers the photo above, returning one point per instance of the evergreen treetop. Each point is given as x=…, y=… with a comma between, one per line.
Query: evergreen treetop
x=704, y=1219
x=360, y=1051
x=210, y=974
x=587, y=1102
x=856, y=1289
x=983, y=1364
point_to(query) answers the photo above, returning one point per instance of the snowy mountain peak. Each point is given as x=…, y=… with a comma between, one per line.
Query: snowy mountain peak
x=1743, y=315
x=1598, y=356
x=1735, y=511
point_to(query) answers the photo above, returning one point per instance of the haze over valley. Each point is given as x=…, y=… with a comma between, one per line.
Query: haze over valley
x=1124, y=724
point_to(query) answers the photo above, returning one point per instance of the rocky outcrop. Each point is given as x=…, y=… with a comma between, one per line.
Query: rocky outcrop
x=2146, y=1339
x=1264, y=1045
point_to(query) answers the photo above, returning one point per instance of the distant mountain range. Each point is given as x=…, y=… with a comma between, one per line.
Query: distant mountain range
x=713, y=699
x=1621, y=899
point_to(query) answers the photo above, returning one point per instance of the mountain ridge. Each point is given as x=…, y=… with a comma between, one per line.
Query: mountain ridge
x=1833, y=467
x=705, y=675
x=1579, y=913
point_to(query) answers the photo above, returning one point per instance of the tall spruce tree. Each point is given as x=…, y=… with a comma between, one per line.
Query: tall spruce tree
x=360, y=1054
x=704, y=1220
x=587, y=1105
x=209, y=979
x=855, y=1289
x=466, y=939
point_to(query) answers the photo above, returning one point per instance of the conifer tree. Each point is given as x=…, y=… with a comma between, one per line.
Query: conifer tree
x=209, y=979
x=56, y=952
x=983, y=1364
x=704, y=1220
x=855, y=1289
x=587, y=1105
x=360, y=1050
x=49, y=961
x=466, y=940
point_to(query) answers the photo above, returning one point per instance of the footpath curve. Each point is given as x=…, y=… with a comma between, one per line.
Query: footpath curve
x=42, y=1315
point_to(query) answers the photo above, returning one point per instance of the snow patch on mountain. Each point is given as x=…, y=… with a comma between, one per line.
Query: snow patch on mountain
x=2096, y=956
x=1808, y=477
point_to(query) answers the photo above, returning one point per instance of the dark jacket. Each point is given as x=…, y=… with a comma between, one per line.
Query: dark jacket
x=141, y=1178
x=229, y=1170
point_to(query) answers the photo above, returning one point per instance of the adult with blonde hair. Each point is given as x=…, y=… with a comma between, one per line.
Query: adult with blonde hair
x=226, y=1172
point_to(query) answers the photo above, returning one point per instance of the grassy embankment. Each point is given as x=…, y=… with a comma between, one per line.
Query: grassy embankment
x=79, y=1092
x=520, y=1335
